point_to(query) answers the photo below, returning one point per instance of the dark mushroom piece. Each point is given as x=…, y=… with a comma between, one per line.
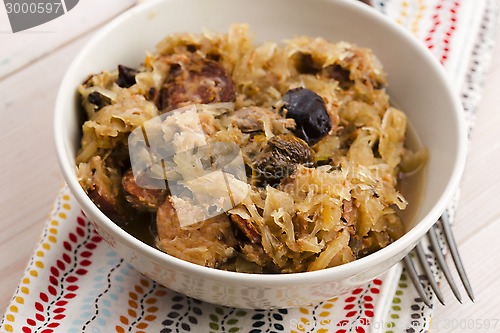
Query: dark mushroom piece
x=279, y=159
x=309, y=112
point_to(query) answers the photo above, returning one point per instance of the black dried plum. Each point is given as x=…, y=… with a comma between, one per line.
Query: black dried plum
x=98, y=100
x=309, y=112
x=126, y=76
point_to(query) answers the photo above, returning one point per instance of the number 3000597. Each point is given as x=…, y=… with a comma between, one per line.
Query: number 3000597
x=33, y=8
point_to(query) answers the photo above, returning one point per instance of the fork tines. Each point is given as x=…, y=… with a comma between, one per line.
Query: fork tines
x=426, y=266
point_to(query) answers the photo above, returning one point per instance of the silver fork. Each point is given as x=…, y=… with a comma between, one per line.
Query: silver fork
x=437, y=250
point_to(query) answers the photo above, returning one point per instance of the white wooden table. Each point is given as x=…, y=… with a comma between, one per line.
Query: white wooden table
x=32, y=65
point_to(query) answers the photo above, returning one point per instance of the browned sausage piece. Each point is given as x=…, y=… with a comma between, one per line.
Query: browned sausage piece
x=193, y=79
x=208, y=243
x=139, y=197
x=247, y=227
x=102, y=189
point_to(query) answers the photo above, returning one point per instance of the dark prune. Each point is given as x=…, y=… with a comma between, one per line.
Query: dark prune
x=279, y=159
x=309, y=112
x=126, y=76
x=340, y=74
x=98, y=100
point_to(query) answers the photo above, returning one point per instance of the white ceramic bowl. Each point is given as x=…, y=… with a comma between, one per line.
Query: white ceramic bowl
x=416, y=82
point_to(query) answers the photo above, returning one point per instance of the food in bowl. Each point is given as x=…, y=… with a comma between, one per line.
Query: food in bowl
x=322, y=147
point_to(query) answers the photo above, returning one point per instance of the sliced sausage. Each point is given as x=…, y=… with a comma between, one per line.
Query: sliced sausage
x=208, y=243
x=139, y=197
x=193, y=79
x=247, y=227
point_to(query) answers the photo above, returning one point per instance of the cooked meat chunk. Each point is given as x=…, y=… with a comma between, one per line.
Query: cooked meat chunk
x=255, y=253
x=208, y=243
x=350, y=215
x=139, y=197
x=101, y=180
x=280, y=158
x=106, y=203
x=193, y=79
x=247, y=227
x=340, y=74
x=253, y=119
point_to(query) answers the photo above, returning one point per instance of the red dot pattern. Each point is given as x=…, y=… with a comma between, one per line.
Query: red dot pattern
x=62, y=284
x=359, y=308
x=442, y=16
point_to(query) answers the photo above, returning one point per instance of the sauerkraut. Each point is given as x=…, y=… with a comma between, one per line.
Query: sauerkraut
x=322, y=175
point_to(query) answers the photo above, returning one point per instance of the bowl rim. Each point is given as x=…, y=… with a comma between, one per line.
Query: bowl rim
x=401, y=245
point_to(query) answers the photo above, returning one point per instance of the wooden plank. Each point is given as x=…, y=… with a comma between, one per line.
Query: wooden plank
x=480, y=256
x=477, y=223
x=479, y=198
x=19, y=49
x=29, y=172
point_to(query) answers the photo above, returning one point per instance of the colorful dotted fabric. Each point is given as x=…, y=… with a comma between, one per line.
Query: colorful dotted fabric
x=75, y=282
